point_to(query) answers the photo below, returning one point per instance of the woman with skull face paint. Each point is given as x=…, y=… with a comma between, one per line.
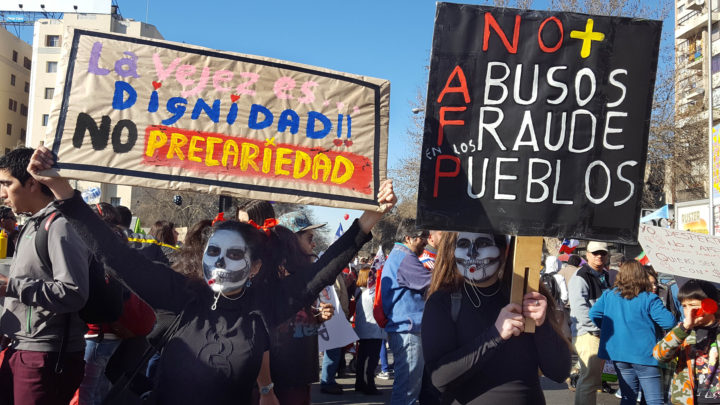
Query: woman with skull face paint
x=215, y=354
x=472, y=337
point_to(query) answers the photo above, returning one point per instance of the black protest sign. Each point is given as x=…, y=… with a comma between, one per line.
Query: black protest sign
x=537, y=122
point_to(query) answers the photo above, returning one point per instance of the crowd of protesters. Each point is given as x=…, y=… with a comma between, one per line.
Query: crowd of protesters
x=232, y=313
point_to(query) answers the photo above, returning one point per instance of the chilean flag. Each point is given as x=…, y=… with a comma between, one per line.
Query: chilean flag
x=569, y=246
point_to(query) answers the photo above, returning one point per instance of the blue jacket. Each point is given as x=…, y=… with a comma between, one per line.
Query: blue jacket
x=628, y=326
x=403, y=306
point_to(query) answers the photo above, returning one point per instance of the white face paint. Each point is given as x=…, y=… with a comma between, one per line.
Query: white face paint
x=476, y=256
x=226, y=261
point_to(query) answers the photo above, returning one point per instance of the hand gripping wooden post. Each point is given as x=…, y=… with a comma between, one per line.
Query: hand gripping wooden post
x=527, y=262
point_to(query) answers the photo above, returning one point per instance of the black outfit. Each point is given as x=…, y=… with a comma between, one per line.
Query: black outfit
x=294, y=352
x=470, y=363
x=215, y=355
x=367, y=360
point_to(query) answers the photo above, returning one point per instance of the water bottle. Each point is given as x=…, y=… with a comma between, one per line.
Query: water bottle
x=3, y=244
x=90, y=194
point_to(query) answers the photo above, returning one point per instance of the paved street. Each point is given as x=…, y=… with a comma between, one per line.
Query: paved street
x=555, y=394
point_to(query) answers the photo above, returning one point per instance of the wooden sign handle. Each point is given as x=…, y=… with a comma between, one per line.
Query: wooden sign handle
x=527, y=262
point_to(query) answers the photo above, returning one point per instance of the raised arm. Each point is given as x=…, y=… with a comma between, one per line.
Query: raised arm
x=138, y=273
x=302, y=288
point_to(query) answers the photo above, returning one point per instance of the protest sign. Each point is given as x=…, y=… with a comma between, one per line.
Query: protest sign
x=337, y=331
x=537, y=122
x=159, y=114
x=681, y=253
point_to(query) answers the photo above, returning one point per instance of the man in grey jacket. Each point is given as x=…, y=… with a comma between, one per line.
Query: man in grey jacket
x=583, y=290
x=44, y=363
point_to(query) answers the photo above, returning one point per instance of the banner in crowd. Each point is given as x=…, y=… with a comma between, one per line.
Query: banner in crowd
x=682, y=253
x=537, y=122
x=337, y=331
x=154, y=113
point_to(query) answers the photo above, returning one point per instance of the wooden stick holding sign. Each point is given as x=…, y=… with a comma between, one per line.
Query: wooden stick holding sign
x=526, y=271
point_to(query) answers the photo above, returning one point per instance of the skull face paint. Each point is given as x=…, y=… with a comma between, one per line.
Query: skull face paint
x=226, y=261
x=476, y=255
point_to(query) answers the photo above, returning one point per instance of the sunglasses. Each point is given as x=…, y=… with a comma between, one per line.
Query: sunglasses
x=600, y=253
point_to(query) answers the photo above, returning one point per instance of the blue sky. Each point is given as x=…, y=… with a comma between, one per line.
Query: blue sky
x=388, y=39
x=384, y=39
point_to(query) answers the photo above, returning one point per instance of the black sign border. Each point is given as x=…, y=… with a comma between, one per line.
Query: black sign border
x=188, y=179
x=627, y=235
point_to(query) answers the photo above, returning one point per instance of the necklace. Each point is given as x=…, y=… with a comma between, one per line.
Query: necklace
x=218, y=294
x=477, y=293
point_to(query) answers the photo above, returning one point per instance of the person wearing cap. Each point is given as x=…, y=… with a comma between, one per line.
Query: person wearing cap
x=584, y=289
x=299, y=223
x=402, y=289
x=8, y=223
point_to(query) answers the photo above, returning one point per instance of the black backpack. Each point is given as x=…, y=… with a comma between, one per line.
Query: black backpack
x=105, y=298
x=552, y=285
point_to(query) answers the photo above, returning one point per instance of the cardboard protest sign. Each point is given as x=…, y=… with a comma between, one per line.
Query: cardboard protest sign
x=681, y=253
x=537, y=122
x=159, y=114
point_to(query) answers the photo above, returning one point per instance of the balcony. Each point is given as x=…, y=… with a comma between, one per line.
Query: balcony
x=691, y=96
x=691, y=60
x=694, y=22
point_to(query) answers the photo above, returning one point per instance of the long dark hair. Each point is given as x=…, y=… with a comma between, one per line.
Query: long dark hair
x=446, y=276
x=162, y=231
x=285, y=254
x=186, y=258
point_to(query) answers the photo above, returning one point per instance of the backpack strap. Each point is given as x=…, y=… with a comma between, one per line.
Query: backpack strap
x=42, y=229
x=455, y=303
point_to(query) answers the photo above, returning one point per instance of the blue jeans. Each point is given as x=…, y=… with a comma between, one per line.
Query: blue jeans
x=634, y=376
x=383, y=358
x=95, y=385
x=408, y=366
x=330, y=364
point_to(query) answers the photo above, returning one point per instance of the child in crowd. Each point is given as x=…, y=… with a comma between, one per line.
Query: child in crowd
x=695, y=343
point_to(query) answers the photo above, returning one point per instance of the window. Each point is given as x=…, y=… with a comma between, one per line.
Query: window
x=12, y=105
x=114, y=201
x=23, y=134
x=12, y=79
x=9, y=129
x=51, y=67
x=49, y=91
x=52, y=40
x=15, y=56
x=26, y=63
x=45, y=119
x=27, y=87
x=23, y=110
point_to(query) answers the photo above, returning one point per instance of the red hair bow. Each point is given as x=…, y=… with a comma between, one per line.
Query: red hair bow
x=219, y=218
x=266, y=226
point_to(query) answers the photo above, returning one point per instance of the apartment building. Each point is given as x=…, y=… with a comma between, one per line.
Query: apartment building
x=47, y=40
x=692, y=86
x=15, y=64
